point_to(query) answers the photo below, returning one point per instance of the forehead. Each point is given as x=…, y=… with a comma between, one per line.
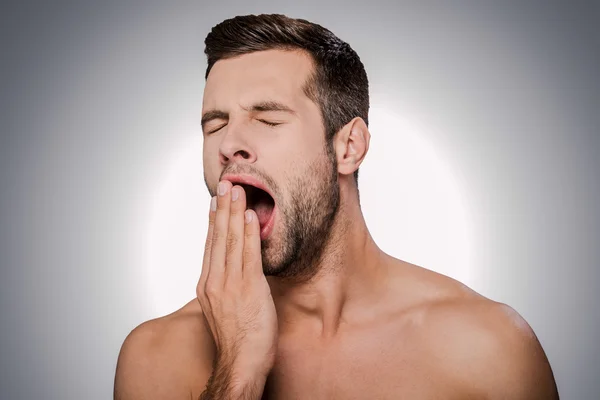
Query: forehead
x=272, y=74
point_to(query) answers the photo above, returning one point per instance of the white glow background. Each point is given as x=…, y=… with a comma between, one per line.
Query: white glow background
x=483, y=166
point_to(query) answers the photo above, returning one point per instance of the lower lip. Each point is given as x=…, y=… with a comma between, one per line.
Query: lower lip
x=267, y=228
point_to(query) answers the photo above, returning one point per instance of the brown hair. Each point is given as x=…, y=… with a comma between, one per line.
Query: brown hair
x=339, y=84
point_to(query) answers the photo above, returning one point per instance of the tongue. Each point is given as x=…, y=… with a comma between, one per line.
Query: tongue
x=263, y=210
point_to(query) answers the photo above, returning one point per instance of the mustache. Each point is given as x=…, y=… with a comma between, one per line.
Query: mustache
x=243, y=169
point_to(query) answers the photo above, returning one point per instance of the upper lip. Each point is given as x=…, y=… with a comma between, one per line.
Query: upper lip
x=247, y=180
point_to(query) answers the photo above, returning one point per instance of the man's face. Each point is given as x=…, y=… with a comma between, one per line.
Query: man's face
x=244, y=96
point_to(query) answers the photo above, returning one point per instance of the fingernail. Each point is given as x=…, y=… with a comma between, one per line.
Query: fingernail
x=222, y=188
x=213, y=204
x=235, y=193
x=248, y=215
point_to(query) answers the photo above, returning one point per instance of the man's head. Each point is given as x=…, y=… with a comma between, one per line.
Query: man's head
x=286, y=102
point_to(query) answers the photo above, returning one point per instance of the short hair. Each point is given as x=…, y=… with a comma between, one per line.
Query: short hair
x=338, y=84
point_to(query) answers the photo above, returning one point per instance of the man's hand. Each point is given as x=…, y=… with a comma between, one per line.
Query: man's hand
x=236, y=299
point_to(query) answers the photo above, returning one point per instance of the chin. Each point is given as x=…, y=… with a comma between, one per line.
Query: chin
x=271, y=262
x=274, y=261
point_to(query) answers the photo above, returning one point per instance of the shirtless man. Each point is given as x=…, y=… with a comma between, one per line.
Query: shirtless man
x=295, y=300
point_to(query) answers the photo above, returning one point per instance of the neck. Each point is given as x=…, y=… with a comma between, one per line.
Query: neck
x=350, y=273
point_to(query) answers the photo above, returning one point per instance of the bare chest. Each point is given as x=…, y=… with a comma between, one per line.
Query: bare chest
x=380, y=368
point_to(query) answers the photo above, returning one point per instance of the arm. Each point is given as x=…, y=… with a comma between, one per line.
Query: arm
x=172, y=358
x=521, y=368
x=227, y=348
x=489, y=351
x=166, y=358
x=159, y=360
x=221, y=385
x=236, y=300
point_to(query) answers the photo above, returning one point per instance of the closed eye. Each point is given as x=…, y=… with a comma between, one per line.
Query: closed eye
x=269, y=122
x=217, y=129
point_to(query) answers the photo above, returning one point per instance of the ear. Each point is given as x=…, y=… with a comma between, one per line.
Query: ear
x=351, y=145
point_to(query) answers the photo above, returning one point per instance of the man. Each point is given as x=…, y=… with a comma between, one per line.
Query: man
x=295, y=300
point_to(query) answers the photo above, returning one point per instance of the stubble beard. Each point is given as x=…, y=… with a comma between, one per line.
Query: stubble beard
x=305, y=223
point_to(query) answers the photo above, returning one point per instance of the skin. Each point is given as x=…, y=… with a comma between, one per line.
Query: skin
x=325, y=313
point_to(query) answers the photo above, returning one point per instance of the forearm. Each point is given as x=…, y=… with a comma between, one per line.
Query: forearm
x=238, y=308
x=226, y=384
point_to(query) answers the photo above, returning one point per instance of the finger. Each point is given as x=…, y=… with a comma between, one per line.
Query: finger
x=208, y=245
x=235, y=236
x=219, y=241
x=252, y=252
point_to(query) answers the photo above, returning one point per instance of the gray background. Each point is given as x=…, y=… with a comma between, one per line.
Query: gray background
x=93, y=96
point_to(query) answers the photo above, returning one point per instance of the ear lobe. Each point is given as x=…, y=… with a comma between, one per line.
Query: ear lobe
x=352, y=144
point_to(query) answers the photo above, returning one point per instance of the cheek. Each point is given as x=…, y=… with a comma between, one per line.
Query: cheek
x=210, y=166
x=303, y=143
x=210, y=156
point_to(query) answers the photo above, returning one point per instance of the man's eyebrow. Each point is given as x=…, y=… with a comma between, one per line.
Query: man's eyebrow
x=213, y=114
x=269, y=105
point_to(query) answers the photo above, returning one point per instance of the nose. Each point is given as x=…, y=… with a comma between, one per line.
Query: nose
x=234, y=147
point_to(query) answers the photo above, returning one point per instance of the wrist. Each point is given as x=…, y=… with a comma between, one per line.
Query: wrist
x=246, y=388
x=244, y=368
x=235, y=382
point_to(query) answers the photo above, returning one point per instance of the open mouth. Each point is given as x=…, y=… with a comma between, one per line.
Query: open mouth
x=262, y=203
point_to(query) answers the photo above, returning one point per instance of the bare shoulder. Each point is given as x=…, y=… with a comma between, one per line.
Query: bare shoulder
x=166, y=358
x=483, y=346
